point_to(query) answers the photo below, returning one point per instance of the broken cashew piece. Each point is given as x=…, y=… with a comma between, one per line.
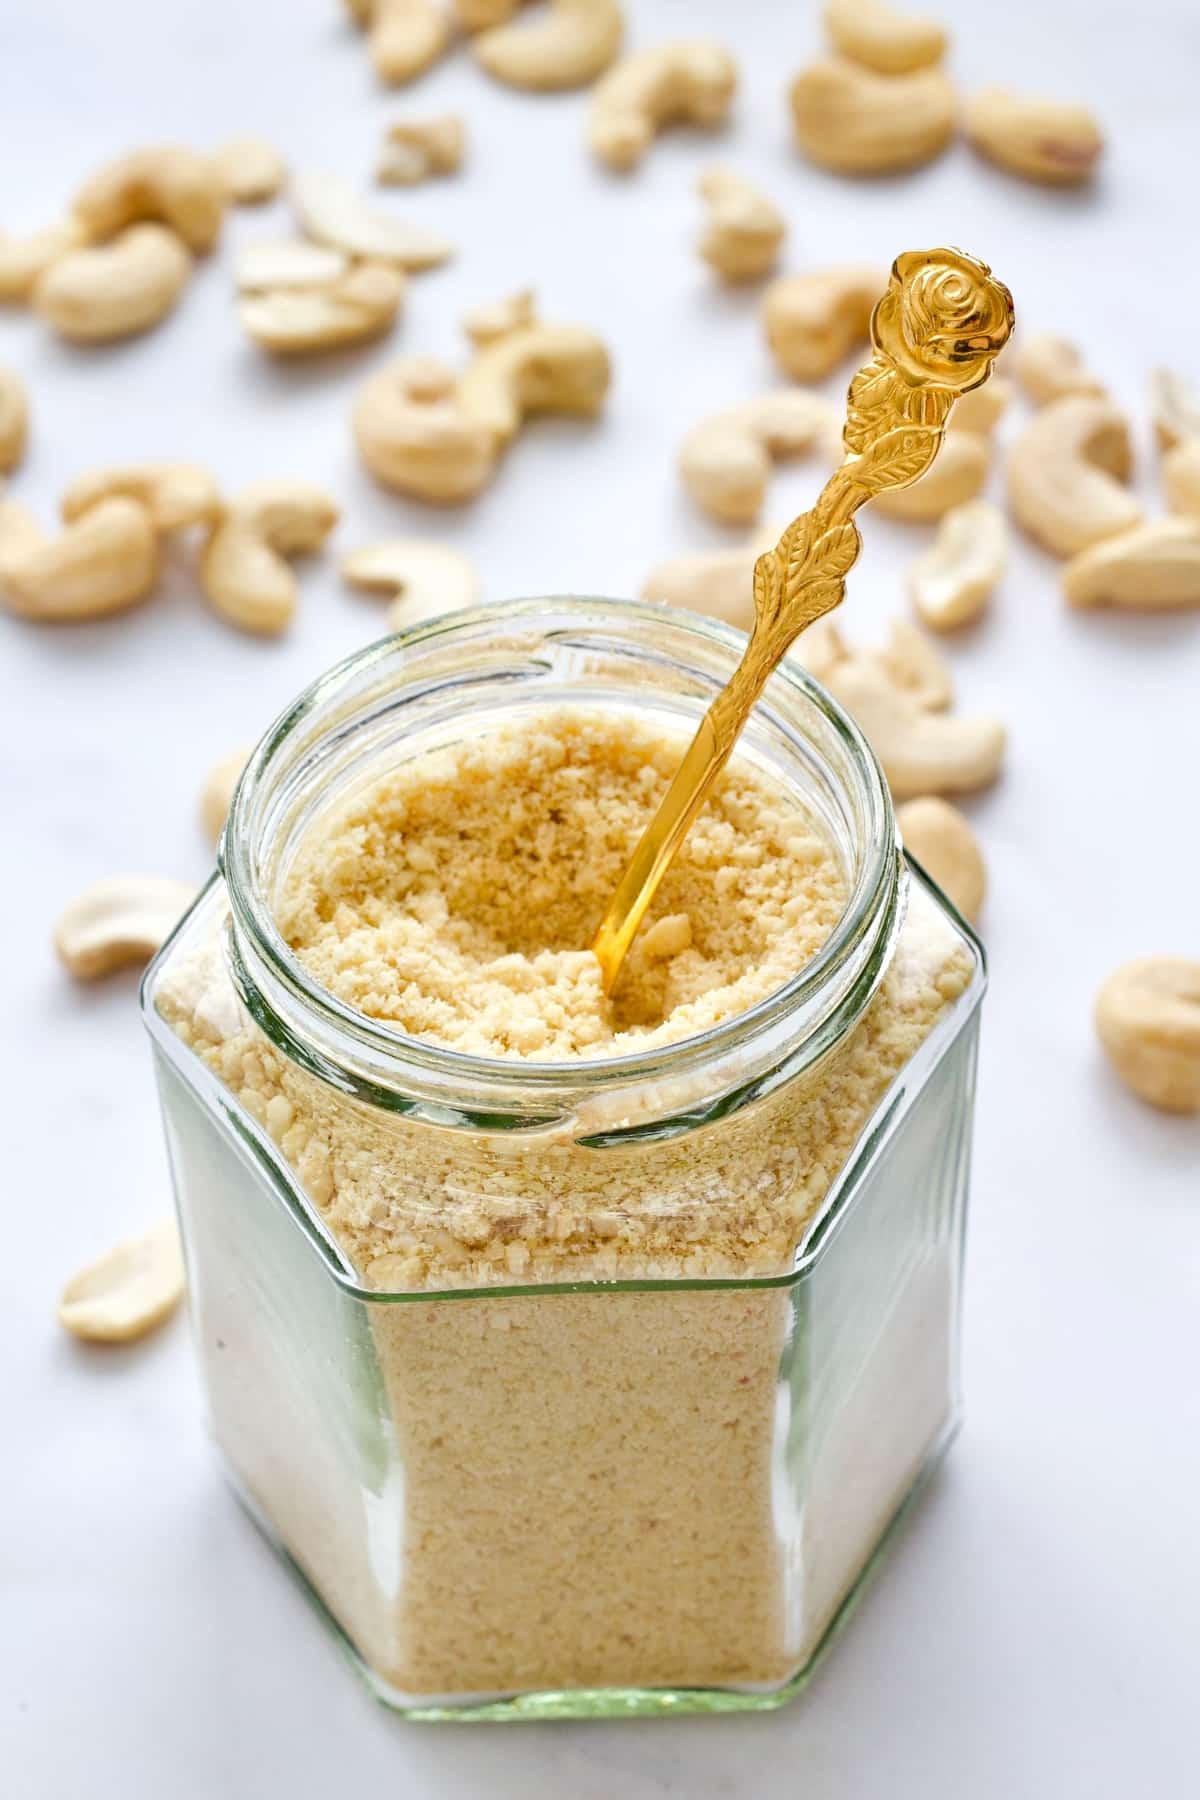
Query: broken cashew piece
x=23, y=259
x=1175, y=409
x=117, y=289
x=947, y=849
x=404, y=37
x=922, y=752
x=217, y=793
x=725, y=461
x=123, y=920
x=1152, y=568
x=252, y=170
x=813, y=321
x=496, y=318
x=875, y=35
x=855, y=122
x=568, y=48
x=951, y=584
x=166, y=183
x=102, y=563
x=1181, y=479
x=14, y=420
x=690, y=82
x=243, y=566
x=175, y=494
x=1050, y=367
x=415, y=149
x=1148, y=1020
x=333, y=212
x=128, y=1291
x=744, y=231
x=1066, y=473
x=1049, y=141
x=309, y=320
x=422, y=579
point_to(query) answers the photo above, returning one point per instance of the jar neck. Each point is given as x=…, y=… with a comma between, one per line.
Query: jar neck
x=464, y=676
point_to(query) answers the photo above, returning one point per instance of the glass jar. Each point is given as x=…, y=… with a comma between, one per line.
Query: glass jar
x=640, y=1464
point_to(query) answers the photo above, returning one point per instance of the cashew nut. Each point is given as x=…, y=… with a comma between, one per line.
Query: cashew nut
x=22, y=260
x=413, y=435
x=167, y=183
x=718, y=583
x=1043, y=140
x=333, y=212
x=535, y=368
x=303, y=321
x=981, y=409
x=569, y=48
x=287, y=263
x=14, y=420
x=744, y=230
x=123, y=920
x=175, y=494
x=422, y=579
x=415, y=149
x=1181, y=479
x=116, y=289
x=951, y=583
x=128, y=1291
x=922, y=752
x=1175, y=408
x=872, y=33
x=251, y=170
x=1065, y=474
x=725, y=461
x=915, y=665
x=956, y=476
x=243, y=570
x=1148, y=1020
x=102, y=563
x=1049, y=367
x=855, y=122
x=1153, y=567
x=217, y=792
x=496, y=318
x=404, y=37
x=947, y=849
x=813, y=321
x=690, y=82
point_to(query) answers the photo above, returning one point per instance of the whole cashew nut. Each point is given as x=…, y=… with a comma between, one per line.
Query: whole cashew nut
x=216, y=795
x=310, y=320
x=24, y=259
x=1181, y=479
x=569, y=48
x=175, y=494
x=874, y=34
x=1065, y=475
x=1175, y=408
x=718, y=583
x=1148, y=1020
x=125, y=919
x=950, y=585
x=415, y=149
x=167, y=183
x=1044, y=140
x=252, y=170
x=913, y=663
x=14, y=420
x=536, y=368
x=333, y=212
x=855, y=122
x=117, y=289
x=1151, y=568
x=414, y=437
x=947, y=849
x=813, y=321
x=243, y=570
x=956, y=476
x=983, y=407
x=744, y=230
x=421, y=579
x=1050, y=367
x=404, y=37
x=128, y=1291
x=725, y=461
x=690, y=82
x=922, y=752
x=102, y=563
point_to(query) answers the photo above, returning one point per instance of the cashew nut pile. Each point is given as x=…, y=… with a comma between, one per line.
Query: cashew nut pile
x=128, y=1291
x=1148, y=1020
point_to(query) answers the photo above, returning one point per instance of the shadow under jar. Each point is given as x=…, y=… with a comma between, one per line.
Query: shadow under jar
x=588, y=1386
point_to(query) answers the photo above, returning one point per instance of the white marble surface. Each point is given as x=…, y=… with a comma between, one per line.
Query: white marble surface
x=1035, y=1632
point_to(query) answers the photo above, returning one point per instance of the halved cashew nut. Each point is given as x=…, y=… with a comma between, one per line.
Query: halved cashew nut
x=1065, y=475
x=570, y=47
x=251, y=170
x=217, y=793
x=1175, y=408
x=1148, y=1020
x=415, y=149
x=103, y=563
x=23, y=259
x=333, y=212
x=1154, y=567
x=287, y=263
x=422, y=579
x=874, y=34
x=922, y=752
x=1050, y=367
x=744, y=231
x=308, y=320
x=169, y=183
x=116, y=289
x=718, y=583
x=413, y=435
x=947, y=849
x=175, y=494
x=404, y=37
x=14, y=420
x=1043, y=140
x=726, y=460
x=915, y=665
x=128, y=1291
x=950, y=585
x=1181, y=479
x=690, y=82
x=123, y=920
x=855, y=122
x=243, y=570
x=813, y=321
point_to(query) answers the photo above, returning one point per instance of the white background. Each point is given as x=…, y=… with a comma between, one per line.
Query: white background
x=1035, y=1632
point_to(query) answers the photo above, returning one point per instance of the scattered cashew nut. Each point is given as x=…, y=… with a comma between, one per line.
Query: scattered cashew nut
x=1175, y=408
x=23, y=259
x=404, y=37
x=1181, y=479
x=175, y=494
x=955, y=476
x=422, y=579
x=1148, y=1020
x=690, y=82
x=950, y=585
x=102, y=563
x=333, y=212
x=128, y=1291
x=123, y=920
x=981, y=409
x=251, y=170
x=744, y=230
x=243, y=570
x=167, y=183
x=718, y=583
x=1050, y=141
x=914, y=664
x=14, y=420
x=217, y=792
x=1065, y=474
x=922, y=752
x=415, y=149
x=1152, y=568
x=287, y=263
x=1049, y=367
x=947, y=849
x=813, y=321
x=569, y=48
x=855, y=122
x=874, y=34
x=725, y=461
x=309, y=320
x=116, y=289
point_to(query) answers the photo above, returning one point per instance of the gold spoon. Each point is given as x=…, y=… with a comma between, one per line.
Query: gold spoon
x=935, y=333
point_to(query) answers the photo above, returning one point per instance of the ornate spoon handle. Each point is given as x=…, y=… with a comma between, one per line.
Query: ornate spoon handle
x=935, y=334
